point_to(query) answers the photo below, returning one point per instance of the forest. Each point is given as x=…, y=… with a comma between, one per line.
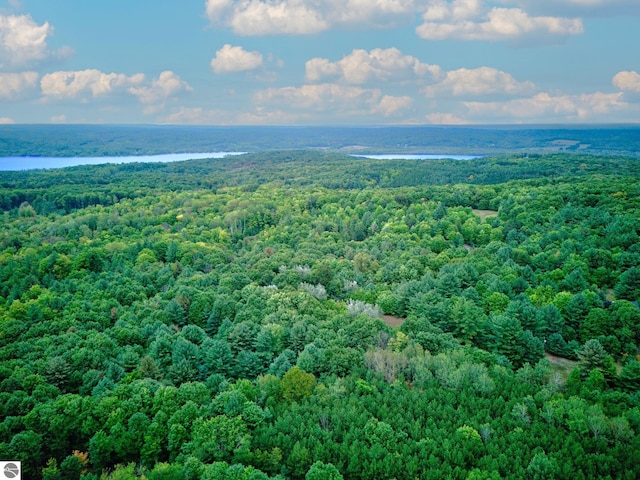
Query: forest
x=303, y=314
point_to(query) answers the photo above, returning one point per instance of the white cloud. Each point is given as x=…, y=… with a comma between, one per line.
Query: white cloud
x=460, y=19
x=471, y=20
x=90, y=84
x=304, y=17
x=628, y=81
x=231, y=59
x=348, y=101
x=167, y=85
x=321, y=97
x=478, y=81
x=360, y=67
x=319, y=69
x=390, y=106
x=24, y=42
x=82, y=83
x=257, y=17
x=13, y=85
x=549, y=108
x=6, y=121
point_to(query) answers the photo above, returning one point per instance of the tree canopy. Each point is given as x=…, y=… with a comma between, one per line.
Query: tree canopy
x=293, y=315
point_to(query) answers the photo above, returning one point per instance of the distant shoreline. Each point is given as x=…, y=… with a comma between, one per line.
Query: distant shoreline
x=107, y=141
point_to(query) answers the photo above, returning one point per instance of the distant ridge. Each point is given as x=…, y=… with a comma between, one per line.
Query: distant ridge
x=115, y=140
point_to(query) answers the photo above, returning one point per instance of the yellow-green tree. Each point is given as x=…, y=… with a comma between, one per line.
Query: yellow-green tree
x=297, y=384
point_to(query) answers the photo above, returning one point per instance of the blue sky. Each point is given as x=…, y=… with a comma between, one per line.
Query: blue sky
x=320, y=62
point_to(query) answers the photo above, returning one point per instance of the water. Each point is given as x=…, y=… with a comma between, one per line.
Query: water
x=404, y=156
x=31, y=163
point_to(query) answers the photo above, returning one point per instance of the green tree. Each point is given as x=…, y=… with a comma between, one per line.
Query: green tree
x=541, y=467
x=628, y=286
x=323, y=471
x=629, y=378
x=592, y=355
x=506, y=340
x=219, y=438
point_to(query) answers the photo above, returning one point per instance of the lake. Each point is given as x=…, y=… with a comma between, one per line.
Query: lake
x=31, y=163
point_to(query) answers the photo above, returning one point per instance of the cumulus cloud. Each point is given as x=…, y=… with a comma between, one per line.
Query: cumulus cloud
x=390, y=105
x=472, y=20
x=360, y=67
x=443, y=19
x=82, y=83
x=201, y=116
x=231, y=59
x=167, y=85
x=628, y=81
x=304, y=17
x=335, y=98
x=13, y=85
x=478, y=81
x=266, y=17
x=321, y=97
x=547, y=107
x=24, y=42
x=6, y=121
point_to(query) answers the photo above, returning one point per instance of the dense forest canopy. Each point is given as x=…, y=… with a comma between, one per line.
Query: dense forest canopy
x=307, y=315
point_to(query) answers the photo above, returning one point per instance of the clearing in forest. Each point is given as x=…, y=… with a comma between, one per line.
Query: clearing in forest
x=485, y=213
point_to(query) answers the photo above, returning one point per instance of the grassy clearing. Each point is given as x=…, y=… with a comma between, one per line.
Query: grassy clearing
x=485, y=213
x=561, y=365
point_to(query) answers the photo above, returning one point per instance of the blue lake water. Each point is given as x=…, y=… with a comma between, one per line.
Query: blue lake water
x=404, y=156
x=31, y=163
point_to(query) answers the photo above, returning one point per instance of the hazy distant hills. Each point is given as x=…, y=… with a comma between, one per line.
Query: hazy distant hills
x=109, y=140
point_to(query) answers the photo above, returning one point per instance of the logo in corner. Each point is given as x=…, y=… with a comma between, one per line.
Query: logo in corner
x=11, y=470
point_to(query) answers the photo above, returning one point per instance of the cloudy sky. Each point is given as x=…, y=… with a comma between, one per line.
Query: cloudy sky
x=320, y=62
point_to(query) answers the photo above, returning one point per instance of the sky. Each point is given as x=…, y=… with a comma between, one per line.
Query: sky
x=320, y=62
